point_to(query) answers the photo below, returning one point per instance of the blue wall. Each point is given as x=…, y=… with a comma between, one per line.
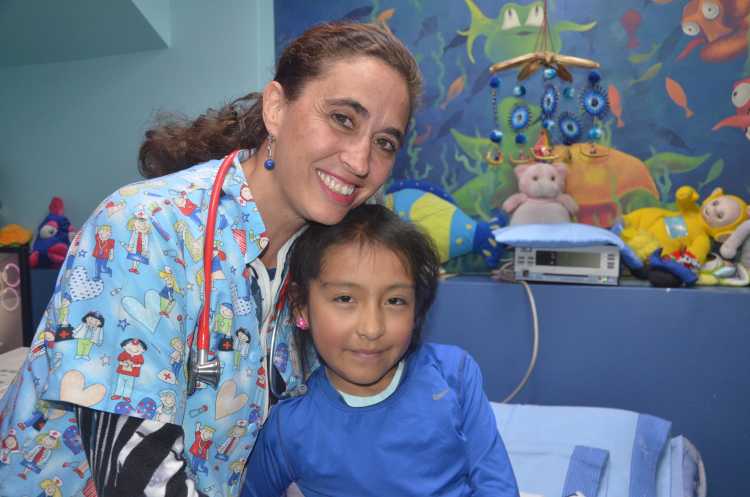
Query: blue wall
x=73, y=128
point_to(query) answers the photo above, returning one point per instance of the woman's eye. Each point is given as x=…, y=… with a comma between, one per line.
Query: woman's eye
x=343, y=120
x=396, y=301
x=345, y=299
x=386, y=145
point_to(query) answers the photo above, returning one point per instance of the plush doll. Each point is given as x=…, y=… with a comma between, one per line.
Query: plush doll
x=674, y=244
x=53, y=238
x=728, y=221
x=541, y=198
x=452, y=230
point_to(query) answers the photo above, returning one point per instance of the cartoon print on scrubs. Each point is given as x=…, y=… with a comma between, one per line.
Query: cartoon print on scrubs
x=166, y=294
x=224, y=450
x=137, y=246
x=51, y=487
x=35, y=459
x=103, y=250
x=141, y=352
x=88, y=334
x=129, y=363
x=8, y=447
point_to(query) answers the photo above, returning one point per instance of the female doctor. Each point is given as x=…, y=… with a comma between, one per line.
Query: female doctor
x=320, y=139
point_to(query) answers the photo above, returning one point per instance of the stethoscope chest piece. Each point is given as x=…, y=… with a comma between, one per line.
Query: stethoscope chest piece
x=200, y=369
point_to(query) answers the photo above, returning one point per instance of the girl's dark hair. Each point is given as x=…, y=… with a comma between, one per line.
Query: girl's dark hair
x=368, y=224
x=177, y=142
x=93, y=314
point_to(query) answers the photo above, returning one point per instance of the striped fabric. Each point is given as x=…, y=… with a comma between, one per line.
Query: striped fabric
x=134, y=457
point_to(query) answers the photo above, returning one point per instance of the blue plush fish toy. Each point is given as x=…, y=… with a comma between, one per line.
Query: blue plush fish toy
x=453, y=231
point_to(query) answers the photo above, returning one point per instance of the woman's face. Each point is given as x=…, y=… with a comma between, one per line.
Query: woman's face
x=336, y=143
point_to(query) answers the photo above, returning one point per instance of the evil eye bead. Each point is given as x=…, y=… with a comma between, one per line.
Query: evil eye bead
x=519, y=117
x=594, y=77
x=520, y=138
x=550, y=73
x=594, y=101
x=569, y=92
x=595, y=133
x=495, y=82
x=549, y=100
x=570, y=128
x=496, y=136
x=519, y=90
x=549, y=123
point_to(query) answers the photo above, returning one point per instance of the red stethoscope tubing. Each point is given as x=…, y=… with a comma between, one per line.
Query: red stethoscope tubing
x=204, y=334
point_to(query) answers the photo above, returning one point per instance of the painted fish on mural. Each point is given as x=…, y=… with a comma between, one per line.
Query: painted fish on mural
x=741, y=102
x=455, y=88
x=429, y=27
x=649, y=74
x=615, y=104
x=630, y=22
x=514, y=31
x=358, y=13
x=678, y=96
x=720, y=25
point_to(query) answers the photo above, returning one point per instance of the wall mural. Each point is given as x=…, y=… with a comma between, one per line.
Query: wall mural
x=670, y=105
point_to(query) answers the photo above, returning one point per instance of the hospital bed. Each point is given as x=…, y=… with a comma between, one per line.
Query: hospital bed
x=676, y=354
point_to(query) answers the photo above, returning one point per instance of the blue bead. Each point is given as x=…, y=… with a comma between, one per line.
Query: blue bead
x=594, y=77
x=520, y=138
x=496, y=136
x=548, y=123
x=519, y=90
x=569, y=92
x=550, y=73
x=595, y=133
x=495, y=82
x=269, y=164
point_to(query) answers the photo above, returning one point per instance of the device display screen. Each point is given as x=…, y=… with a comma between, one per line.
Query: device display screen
x=569, y=259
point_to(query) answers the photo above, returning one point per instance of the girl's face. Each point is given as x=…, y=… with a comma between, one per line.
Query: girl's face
x=92, y=322
x=336, y=143
x=361, y=314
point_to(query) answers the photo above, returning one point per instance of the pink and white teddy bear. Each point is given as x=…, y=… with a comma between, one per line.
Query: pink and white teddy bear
x=541, y=198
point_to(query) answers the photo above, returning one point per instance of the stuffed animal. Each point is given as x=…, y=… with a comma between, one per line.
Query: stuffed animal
x=452, y=230
x=674, y=244
x=728, y=221
x=540, y=198
x=53, y=238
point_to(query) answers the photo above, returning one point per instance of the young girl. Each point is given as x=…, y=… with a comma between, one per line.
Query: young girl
x=385, y=415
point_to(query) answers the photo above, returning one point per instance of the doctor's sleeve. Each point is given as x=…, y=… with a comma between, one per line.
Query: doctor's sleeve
x=490, y=472
x=268, y=473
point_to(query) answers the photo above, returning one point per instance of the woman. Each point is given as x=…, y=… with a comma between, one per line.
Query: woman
x=320, y=139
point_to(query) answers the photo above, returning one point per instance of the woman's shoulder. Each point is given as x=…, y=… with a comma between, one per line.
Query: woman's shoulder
x=157, y=194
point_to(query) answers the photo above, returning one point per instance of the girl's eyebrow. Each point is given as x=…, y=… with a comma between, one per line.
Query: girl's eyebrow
x=348, y=285
x=361, y=110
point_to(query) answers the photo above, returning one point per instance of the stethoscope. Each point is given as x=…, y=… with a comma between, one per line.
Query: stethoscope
x=200, y=367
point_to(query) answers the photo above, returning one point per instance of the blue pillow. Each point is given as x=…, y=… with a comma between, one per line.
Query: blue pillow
x=564, y=235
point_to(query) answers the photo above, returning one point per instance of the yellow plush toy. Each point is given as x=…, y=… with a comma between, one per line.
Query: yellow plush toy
x=682, y=232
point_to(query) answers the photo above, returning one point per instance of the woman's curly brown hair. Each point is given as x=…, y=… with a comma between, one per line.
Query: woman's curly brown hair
x=176, y=142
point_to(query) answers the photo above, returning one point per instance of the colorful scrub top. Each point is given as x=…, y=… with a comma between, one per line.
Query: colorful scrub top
x=116, y=333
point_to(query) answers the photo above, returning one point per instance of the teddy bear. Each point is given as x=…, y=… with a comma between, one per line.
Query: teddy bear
x=53, y=238
x=540, y=198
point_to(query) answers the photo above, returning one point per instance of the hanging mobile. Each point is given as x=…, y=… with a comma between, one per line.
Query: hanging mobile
x=494, y=155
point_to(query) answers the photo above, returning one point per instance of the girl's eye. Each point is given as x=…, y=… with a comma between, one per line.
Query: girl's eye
x=342, y=119
x=344, y=299
x=386, y=144
x=396, y=301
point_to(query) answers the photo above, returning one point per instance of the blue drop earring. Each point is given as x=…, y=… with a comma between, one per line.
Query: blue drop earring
x=269, y=164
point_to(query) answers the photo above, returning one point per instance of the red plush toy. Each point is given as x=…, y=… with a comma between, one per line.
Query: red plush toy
x=53, y=238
